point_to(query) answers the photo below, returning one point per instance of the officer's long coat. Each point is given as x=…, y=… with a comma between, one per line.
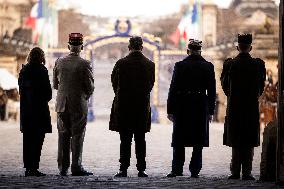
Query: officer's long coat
x=132, y=79
x=242, y=80
x=73, y=78
x=191, y=100
x=35, y=93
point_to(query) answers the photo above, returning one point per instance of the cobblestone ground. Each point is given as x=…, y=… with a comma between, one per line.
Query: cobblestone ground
x=101, y=153
x=110, y=182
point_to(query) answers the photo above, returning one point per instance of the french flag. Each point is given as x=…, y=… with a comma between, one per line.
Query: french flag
x=34, y=20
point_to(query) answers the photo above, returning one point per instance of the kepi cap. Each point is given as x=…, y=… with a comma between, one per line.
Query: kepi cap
x=75, y=39
x=194, y=44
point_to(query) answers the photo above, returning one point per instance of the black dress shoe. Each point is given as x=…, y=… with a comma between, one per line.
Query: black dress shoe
x=173, y=174
x=82, y=173
x=35, y=173
x=142, y=174
x=194, y=175
x=248, y=177
x=63, y=173
x=234, y=177
x=121, y=174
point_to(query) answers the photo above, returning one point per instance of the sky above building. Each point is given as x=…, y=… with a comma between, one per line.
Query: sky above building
x=129, y=8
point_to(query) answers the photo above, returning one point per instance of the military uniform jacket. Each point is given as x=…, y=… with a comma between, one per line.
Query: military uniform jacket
x=191, y=100
x=132, y=79
x=73, y=78
x=242, y=80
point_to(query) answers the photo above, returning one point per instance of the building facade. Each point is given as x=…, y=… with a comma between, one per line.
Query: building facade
x=220, y=29
x=15, y=39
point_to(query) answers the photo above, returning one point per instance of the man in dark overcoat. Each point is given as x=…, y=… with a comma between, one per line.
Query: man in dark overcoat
x=73, y=78
x=191, y=104
x=132, y=79
x=242, y=80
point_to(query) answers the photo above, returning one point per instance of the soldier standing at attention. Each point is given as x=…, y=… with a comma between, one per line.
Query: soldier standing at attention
x=191, y=104
x=73, y=78
x=242, y=80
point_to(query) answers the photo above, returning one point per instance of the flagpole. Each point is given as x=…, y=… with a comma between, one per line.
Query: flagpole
x=200, y=20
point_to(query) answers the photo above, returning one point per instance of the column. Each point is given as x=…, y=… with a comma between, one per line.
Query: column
x=280, y=150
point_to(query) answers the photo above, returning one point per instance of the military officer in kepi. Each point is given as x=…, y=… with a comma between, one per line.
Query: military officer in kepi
x=242, y=80
x=191, y=104
x=73, y=78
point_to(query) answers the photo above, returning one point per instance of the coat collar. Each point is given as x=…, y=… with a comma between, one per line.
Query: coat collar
x=242, y=54
x=194, y=57
x=74, y=54
x=31, y=66
x=135, y=52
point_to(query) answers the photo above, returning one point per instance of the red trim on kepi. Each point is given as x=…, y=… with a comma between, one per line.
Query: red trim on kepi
x=75, y=39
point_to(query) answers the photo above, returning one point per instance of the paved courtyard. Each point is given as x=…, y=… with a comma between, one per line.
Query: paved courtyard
x=101, y=154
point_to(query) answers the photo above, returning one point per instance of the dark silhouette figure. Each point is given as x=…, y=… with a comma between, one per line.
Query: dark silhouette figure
x=242, y=80
x=3, y=104
x=73, y=78
x=191, y=104
x=132, y=80
x=216, y=113
x=268, y=154
x=35, y=121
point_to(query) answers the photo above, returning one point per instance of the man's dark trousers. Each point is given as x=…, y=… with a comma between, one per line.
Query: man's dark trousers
x=125, y=150
x=179, y=158
x=2, y=112
x=242, y=158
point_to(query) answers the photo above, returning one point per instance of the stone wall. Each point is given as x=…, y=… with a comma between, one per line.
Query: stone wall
x=13, y=14
x=9, y=63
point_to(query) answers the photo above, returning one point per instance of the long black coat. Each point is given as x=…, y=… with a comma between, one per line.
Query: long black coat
x=242, y=80
x=35, y=92
x=132, y=79
x=191, y=100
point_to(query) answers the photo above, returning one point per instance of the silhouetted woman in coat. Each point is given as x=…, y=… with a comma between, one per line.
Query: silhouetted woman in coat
x=35, y=121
